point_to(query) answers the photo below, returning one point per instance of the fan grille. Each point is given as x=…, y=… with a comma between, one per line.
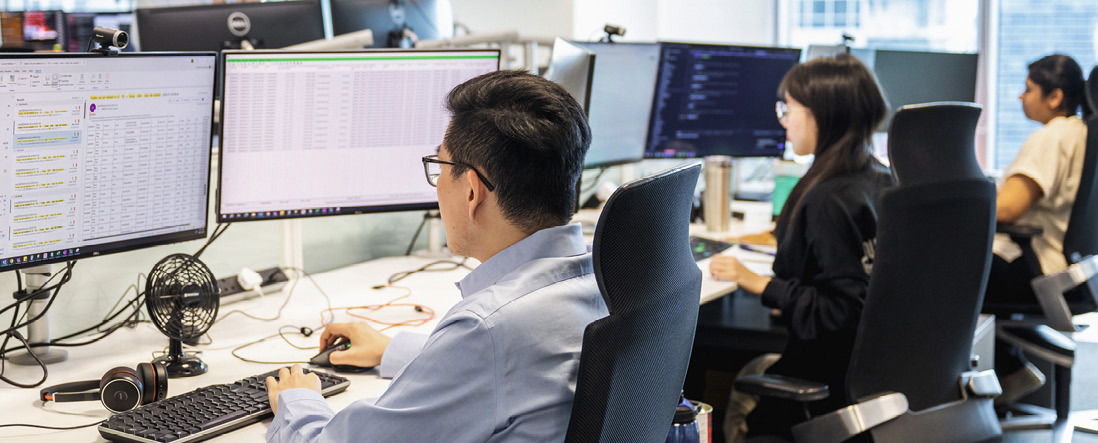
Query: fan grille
x=182, y=297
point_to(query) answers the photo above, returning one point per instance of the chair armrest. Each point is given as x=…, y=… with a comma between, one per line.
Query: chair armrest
x=842, y=424
x=780, y=386
x=1050, y=291
x=981, y=384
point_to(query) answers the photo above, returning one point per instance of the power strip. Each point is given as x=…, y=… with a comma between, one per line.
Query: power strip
x=273, y=281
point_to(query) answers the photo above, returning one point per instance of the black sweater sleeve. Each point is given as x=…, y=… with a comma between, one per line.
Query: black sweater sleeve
x=829, y=292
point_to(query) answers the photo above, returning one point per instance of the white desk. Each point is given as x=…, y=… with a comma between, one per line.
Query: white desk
x=350, y=286
x=758, y=220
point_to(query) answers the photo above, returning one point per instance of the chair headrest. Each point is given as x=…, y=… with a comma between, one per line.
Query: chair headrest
x=934, y=142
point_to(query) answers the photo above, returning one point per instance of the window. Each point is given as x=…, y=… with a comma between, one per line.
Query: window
x=927, y=25
x=1028, y=30
x=827, y=14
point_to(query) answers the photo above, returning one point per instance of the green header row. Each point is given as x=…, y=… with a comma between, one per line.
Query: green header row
x=360, y=58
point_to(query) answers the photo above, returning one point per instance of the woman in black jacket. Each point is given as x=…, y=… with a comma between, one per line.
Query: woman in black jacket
x=825, y=232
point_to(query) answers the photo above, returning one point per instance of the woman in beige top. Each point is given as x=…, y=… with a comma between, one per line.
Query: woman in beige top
x=1038, y=190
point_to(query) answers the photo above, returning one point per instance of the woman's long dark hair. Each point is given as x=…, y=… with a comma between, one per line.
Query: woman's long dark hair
x=844, y=98
x=1058, y=71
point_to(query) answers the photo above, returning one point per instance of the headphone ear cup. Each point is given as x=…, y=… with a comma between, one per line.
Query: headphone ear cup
x=148, y=382
x=121, y=389
x=154, y=380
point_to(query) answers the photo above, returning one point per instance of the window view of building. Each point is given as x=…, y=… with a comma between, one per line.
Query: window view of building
x=1028, y=30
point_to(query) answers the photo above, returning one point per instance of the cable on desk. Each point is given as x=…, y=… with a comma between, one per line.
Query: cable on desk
x=55, y=289
x=3, y=362
x=137, y=303
x=391, y=303
x=279, y=334
x=428, y=268
x=56, y=428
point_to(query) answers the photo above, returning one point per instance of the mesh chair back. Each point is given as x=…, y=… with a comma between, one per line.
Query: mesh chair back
x=633, y=363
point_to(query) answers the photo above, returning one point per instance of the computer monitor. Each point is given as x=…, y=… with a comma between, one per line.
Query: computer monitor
x=44, y=30
x=229, y=26
x=102, y=154
x=307, y=134
x=909, y=77
x=621, y=100
x=572, y=67
x=427, y=19
x=718, y=100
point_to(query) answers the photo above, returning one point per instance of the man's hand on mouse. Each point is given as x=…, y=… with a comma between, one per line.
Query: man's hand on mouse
x=367, y=344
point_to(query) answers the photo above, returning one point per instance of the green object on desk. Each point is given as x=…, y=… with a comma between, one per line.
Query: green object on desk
x=783, y=185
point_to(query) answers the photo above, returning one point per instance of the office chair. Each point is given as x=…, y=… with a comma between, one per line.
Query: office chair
x=633, y=362
x=910, y=376
x=1060, y=296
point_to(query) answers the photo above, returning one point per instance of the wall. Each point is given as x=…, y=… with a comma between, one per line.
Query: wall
x=549, y=18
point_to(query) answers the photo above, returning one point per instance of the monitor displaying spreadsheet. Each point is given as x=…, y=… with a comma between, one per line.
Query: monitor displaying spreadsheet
x=329, y=133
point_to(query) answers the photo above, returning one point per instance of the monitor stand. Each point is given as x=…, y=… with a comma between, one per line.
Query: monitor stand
x=434, y=238
x=39, y=330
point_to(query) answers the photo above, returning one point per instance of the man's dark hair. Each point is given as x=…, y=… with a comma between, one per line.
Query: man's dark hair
x=528, y=136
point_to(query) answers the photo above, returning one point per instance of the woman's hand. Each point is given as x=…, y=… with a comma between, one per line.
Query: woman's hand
x=726, y=267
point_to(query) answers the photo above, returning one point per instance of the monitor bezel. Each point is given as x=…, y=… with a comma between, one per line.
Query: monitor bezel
x=348, y=210
x=659, y=77
x=144, y=242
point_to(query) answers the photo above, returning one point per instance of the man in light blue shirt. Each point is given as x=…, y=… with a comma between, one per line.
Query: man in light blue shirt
x=502, y=363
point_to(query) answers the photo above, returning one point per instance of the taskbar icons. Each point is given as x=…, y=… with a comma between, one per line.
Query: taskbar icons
x=43, y=256
x=282, y=214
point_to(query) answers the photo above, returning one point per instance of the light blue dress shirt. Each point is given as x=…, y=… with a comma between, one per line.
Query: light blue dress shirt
x=500, y=366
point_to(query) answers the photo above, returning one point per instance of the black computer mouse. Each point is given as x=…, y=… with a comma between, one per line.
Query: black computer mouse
x=324, y=357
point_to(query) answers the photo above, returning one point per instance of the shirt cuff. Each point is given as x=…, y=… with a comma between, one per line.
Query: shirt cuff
x=775, y=295
x=402, y=349
x=305, y=406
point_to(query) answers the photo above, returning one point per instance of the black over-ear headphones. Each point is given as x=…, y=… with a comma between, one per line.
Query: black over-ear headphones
x=120, y=389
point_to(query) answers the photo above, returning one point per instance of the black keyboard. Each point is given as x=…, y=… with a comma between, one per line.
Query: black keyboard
x=205, y=412
x=703, y=248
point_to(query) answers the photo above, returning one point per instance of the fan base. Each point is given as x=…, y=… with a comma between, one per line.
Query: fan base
x=182, y=365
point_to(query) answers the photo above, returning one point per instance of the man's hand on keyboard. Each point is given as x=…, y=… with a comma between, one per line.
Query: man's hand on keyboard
x=367, y=344
x=288, y=378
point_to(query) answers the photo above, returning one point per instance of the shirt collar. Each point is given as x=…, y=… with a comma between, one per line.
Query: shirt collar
x=558, y=241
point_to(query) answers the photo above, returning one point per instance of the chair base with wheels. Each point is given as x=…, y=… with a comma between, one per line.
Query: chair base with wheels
x=1048, y=343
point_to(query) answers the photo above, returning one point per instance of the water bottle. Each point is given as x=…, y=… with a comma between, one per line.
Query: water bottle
x=718, y=193
x=684, y=428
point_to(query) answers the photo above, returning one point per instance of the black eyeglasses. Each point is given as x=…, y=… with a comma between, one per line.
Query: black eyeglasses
x=432, y=167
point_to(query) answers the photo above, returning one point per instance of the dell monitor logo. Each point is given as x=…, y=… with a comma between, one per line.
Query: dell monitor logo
x=239, y=24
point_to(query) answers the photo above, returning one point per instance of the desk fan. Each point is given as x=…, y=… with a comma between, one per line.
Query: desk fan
x=182, y=298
